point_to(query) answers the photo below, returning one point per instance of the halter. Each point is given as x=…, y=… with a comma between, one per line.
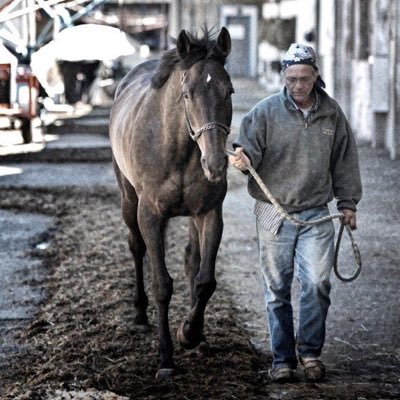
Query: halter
x=206, y=127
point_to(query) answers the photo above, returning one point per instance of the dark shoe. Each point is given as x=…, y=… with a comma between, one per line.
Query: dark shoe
x=282, y=375
x=314, y=369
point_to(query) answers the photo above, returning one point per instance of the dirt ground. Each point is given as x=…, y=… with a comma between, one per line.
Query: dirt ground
x=84, y=336
x=83, y=343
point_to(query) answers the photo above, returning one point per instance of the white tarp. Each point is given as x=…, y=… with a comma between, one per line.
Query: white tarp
x=88, y=42
x=78, y=43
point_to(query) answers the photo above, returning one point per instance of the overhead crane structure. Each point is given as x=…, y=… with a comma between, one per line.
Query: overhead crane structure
x=19, y=26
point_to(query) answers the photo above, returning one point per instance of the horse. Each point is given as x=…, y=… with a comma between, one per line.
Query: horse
x=168, y=129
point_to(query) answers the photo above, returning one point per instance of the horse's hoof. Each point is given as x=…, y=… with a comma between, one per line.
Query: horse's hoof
x=203, y=349
x=181, y=338
x=192, y=342
x=165, y=373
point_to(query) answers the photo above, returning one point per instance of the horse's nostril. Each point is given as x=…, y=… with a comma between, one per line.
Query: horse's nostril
x=214, y=166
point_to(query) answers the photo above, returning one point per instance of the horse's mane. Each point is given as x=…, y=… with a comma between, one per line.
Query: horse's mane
x=202, y=47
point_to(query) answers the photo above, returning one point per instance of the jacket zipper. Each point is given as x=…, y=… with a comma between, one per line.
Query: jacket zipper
x=304, y=119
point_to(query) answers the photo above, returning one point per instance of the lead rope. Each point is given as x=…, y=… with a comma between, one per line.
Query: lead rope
x=297, y=222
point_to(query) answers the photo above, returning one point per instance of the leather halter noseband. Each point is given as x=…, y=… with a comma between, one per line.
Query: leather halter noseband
x=206, y=127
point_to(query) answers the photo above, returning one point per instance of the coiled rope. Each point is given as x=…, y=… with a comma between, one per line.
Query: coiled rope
x=297, y=222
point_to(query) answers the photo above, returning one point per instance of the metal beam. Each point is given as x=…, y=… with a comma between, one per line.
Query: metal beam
x=5, y=15
x=91, y=6
x=24, y=10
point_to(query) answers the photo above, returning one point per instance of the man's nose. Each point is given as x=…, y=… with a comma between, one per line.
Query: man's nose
x=299, y=84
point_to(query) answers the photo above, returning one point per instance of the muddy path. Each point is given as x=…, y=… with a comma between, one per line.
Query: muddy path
x=84, y=336
x=83, y=343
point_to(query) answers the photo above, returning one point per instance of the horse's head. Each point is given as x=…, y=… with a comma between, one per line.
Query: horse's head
x=206, y=91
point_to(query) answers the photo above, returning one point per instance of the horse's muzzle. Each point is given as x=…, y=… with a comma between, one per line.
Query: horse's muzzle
x=215, y=168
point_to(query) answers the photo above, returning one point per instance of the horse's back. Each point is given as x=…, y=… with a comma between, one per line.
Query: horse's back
x=131, y=99
x=139, y=76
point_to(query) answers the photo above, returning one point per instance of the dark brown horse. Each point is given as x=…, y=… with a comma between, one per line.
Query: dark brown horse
x=168, y=130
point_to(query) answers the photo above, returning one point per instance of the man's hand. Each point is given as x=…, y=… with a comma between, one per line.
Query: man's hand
x=349, y=218
x=240, y=160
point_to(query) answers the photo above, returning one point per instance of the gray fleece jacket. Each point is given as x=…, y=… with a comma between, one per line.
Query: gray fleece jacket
x=304, y=164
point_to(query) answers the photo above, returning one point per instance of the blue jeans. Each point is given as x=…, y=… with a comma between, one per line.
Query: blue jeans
x=311, y=249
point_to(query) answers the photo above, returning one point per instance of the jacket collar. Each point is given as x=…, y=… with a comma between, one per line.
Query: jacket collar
x=315, y=105
x=323, y=104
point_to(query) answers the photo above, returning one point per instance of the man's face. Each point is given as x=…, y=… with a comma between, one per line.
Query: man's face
x=299, y=80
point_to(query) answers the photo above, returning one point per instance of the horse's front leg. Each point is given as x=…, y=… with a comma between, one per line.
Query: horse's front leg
x=153, y=228
x=192, y=259
x=209, y=227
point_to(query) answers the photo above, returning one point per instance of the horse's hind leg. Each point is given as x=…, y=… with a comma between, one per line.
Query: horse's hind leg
x=137, y=246
x=138, y=249
x=129, y=205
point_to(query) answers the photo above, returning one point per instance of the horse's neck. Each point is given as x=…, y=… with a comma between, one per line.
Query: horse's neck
x=173, y=100
x=174, y=114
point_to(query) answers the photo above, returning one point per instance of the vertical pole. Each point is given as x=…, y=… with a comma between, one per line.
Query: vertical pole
x=31, y=28
x=393, y=118
x=192, y=14
x=327, y=41
x=175, y=18
x=317, y=25
x=24, y=24
x=380, y=44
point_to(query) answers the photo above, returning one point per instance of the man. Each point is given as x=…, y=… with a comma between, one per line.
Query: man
x=301, y=145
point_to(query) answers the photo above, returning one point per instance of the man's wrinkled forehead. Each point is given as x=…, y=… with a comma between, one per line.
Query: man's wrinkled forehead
x=299, y=70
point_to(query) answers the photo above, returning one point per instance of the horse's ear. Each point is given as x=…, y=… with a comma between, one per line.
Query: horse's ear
x=183, y=44
x=224, y=42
